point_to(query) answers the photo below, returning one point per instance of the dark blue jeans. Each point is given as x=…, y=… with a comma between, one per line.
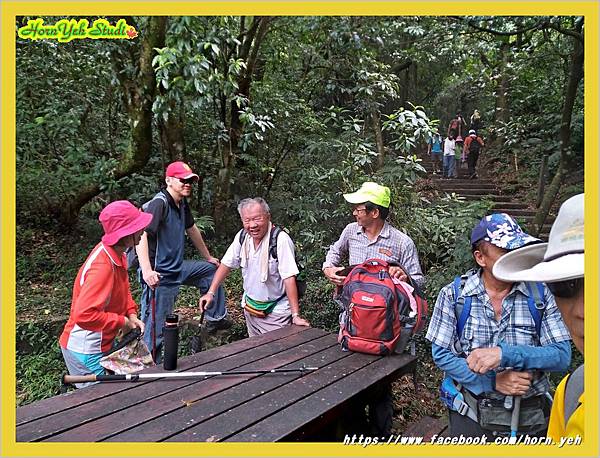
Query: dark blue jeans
x=449, y=166
x=193, y=273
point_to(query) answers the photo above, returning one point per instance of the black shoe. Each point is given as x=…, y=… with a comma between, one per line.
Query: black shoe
x=214, y=326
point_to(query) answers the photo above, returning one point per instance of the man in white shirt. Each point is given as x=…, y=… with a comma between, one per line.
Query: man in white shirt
x=270, y=298
x=449, y=160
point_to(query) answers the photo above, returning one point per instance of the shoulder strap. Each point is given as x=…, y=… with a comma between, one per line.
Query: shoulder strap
x=275, y=231
x=242, y=236
x=158, y=195
x=462, y=305
x=536, y=304
x=573, y=390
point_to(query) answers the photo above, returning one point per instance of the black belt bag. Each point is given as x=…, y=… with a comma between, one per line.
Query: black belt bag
x=495, y=417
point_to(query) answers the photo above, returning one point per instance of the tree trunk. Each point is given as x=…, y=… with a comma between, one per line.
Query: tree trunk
x=575, y=77
x=551, y=193
x=249, y=48
x=502, y=110
x=376, y=124
x=138, y=98
x=172, y=134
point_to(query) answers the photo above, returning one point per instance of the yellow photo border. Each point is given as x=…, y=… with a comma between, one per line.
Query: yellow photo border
x=10, y=10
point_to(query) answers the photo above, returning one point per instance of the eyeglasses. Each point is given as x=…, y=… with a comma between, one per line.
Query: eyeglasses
x=358, y=210
x=189, y=181
x=256, y=219
x=566, y=289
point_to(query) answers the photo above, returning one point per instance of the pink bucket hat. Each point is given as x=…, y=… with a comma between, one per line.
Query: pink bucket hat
x=180, y=170
x=122, y=218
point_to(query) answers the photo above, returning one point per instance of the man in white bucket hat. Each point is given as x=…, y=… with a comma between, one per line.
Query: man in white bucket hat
x=560, y=264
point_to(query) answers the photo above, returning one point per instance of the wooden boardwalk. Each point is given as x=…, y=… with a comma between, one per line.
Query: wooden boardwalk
x=270, y=407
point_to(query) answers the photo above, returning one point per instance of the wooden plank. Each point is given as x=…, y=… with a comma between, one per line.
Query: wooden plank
x=426, y=428
x=163, y=412
x=326, y=401
x=111, y=404
x=75, y=398
x=261, y=407
x=221, y=403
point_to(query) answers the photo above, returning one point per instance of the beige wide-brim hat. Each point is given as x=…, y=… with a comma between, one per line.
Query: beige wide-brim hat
x=560, y=259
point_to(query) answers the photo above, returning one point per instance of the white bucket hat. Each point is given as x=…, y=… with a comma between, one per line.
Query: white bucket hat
x=558, y=260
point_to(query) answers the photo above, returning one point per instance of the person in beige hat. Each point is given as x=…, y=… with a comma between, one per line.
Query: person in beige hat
x=560, y=264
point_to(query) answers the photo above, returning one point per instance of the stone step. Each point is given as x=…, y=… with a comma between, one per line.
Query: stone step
x=493, y=198
x=510, y=205
x=528, y=224
x=516, y=211
x=473, y=192
x=461, y=172
x=465, y=184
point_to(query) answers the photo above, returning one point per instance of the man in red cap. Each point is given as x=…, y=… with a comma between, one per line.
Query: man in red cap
x=162, y=267
x=102, y=303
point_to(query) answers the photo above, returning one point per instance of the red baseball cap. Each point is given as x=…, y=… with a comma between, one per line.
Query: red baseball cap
x=122, y=218
x=181, y=170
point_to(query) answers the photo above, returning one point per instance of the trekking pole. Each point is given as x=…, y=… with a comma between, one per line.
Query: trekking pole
x=514, y=420
x=153, y=302
x=197, y=338
x=178, y=375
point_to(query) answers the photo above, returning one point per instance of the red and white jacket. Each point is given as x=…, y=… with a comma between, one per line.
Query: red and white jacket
x=101, y=301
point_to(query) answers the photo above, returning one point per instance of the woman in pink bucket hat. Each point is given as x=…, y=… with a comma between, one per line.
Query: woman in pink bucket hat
x=102, y=304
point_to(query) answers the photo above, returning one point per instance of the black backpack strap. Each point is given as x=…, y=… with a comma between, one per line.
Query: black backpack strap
x=133, y=262
x=242, y=236
x=275, y=231
x=573, y=390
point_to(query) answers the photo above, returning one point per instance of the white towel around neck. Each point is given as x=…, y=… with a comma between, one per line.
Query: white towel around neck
x=263, y=253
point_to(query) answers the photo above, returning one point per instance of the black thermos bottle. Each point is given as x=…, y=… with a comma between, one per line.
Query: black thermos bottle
x=170, y=340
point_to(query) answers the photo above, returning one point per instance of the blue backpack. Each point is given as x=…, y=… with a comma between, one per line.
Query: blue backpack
x=450, y=392
x=462, y=307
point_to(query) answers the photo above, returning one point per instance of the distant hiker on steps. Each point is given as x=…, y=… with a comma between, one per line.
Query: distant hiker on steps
x=434, y=149
x=457, y=127
x=471, y=150
x=449, y=159
x=476, y=122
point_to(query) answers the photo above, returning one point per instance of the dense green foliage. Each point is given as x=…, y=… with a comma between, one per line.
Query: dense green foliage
x=295, y=109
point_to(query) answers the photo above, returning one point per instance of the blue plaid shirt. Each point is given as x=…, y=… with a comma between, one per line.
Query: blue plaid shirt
x=515, y=327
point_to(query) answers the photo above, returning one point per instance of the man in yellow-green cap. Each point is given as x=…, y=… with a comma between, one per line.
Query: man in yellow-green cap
x=371, y=236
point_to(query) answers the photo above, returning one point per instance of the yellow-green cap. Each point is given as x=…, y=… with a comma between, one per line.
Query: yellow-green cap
x=370, y=192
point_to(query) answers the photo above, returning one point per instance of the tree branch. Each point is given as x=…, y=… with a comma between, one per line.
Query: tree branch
x=471, y=23
x=576, y=33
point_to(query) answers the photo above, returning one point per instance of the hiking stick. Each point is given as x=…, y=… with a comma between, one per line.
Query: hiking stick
x=514, y=420
x=197, y=345
x=158, y=375
x=153, y=302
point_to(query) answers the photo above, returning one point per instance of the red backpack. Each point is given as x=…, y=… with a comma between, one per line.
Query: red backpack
x=377, y=312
